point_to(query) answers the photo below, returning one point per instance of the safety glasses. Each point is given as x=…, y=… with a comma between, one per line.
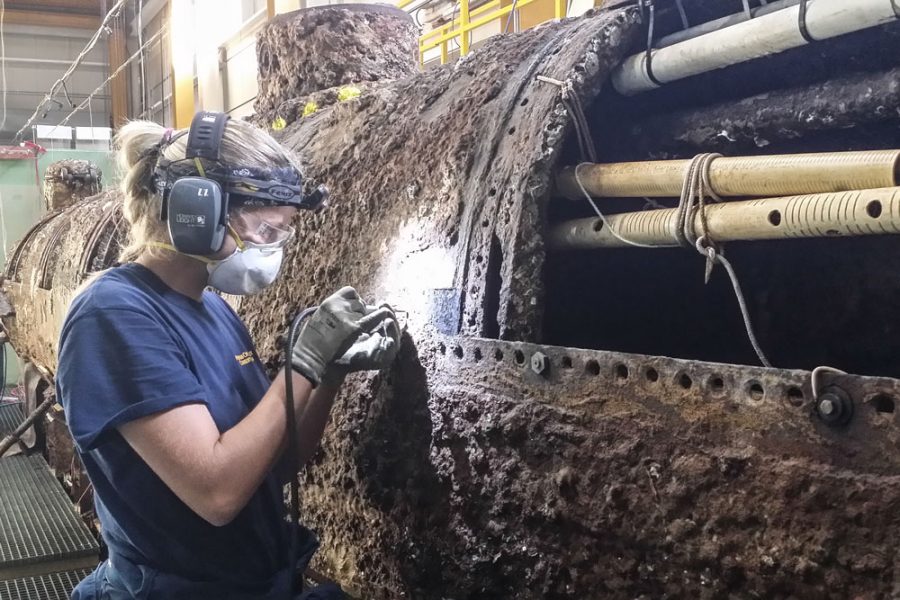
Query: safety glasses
x=261, y=226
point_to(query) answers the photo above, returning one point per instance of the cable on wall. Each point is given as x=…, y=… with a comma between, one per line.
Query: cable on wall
x=3, y=58
x=113, y=12
x=157, y=36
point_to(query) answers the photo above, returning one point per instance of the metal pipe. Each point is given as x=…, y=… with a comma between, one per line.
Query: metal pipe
x=861, y=212
x=710, y=26
x=16, y=435
x=762, y=36
x=776, y=175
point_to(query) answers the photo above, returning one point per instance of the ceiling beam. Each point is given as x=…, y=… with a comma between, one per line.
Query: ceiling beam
x=39, y=34
x=50, y=19
x=91, y=7
x=51, y=62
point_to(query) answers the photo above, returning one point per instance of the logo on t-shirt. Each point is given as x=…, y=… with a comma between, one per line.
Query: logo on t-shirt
x=244, y=358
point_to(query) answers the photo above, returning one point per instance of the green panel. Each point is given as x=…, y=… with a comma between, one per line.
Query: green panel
x=21, y=205
x=21, y=172
x=13, y=368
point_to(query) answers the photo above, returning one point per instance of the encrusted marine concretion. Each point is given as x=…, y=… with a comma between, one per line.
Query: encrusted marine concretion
x=49, y=264
x=315, y=49
x=484, y=464
x=68, y=181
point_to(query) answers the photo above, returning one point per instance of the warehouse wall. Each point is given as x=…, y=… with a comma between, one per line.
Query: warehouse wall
x=35, y=58
x=152, y=100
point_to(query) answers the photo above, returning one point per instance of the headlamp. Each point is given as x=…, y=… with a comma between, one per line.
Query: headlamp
x=245, y=186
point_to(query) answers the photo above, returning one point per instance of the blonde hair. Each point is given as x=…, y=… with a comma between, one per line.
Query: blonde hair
x=242, y=145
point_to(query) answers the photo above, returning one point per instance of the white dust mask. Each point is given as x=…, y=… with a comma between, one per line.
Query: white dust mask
x=247, y=271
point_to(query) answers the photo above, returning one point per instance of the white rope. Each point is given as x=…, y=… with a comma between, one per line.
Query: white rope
x=695, y=189
x=606, y=223
x=691, y=206
x=59, y=82
x=742, y=304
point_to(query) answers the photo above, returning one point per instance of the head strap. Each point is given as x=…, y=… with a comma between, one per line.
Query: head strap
x=205, y=137
x=242, y=185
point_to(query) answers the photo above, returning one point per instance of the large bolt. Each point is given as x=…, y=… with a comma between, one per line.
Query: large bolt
x=540, y=364
x=834, y=406
x=827, y=405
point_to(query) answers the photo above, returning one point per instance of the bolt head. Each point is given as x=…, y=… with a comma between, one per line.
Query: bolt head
x=835, y=407
x=540, y=364
x=827, y=407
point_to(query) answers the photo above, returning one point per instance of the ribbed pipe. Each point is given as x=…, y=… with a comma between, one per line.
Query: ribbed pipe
x=777, y=175
x=855, y=213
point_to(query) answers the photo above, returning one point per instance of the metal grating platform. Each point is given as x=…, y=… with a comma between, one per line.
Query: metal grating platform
x=39, y=530
x=55, y=586
x=10, y=417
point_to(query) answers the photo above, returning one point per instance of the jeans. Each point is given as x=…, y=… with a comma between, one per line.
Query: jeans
x=122, y=581
x=118, y=579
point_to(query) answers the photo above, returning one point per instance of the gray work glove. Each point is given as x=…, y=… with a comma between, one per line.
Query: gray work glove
x=372, y=351
x=335, y=326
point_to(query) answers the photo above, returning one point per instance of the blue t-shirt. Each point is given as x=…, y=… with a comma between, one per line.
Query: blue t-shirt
x=130, y=347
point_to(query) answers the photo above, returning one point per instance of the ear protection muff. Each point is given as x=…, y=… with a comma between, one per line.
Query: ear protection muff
x=196, y=215
x=197, y=207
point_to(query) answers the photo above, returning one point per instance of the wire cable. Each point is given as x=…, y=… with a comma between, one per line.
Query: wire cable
x=453, y=20
x=158, y=35
x=509, y=18
x=91, y=117
x=816, y=374
x=3, y=58
x=292, y=450
x=140, y=15
x=66, y=93
x=3, y=361
x=59, y=82
x=684, y=19
x=586, y=144
x=742, y=302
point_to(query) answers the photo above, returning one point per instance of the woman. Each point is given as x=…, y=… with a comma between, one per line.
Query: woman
x=179, y=428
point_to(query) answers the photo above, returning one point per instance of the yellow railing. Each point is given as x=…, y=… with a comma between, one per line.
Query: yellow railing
x=468, y=20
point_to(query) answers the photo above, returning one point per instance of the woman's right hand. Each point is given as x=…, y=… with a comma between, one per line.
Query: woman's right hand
x=338, y=322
